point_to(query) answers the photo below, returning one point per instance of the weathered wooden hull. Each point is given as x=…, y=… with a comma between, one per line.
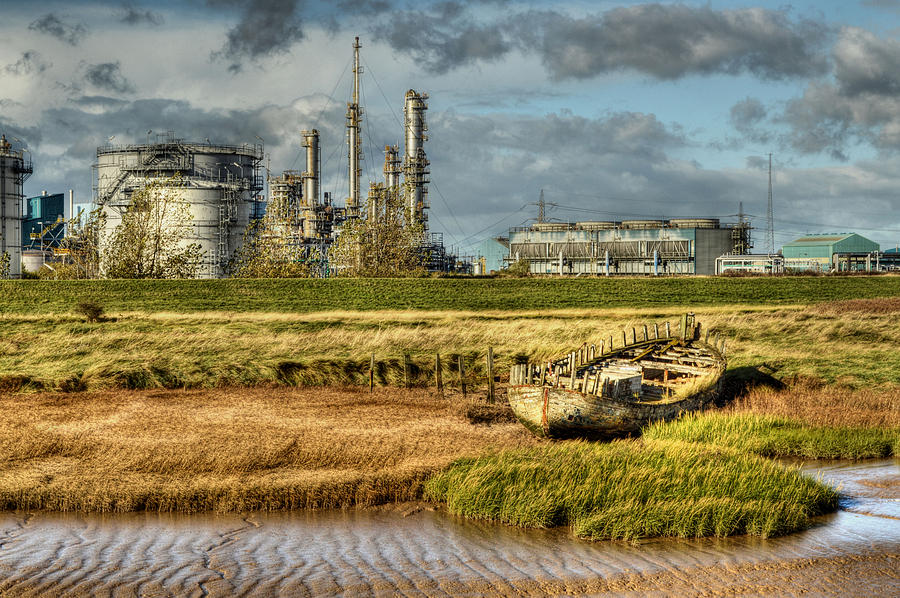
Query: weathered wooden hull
x=554, y=412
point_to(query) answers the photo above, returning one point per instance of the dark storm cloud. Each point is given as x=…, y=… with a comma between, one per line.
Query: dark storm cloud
x=443, y=38
x=364, y=7
x=132, y=15
x=31, y=62
x=860, y=104
x=672, y=41
x=71, y=33
x=266, y=27
x=108, y=75
x=866, y=64
x=747, y=117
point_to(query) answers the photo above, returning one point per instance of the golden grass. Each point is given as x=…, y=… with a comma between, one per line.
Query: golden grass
x=824, y=405
x=211, y=349
x=230, y=449
x=884, y=305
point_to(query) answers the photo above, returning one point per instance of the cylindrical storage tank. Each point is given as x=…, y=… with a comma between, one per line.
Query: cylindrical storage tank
x=642, y=224
x=220, y=184
x=694, y=223
x=596, y=225
x=549, y=226
x=33, y=259
x=14, y=169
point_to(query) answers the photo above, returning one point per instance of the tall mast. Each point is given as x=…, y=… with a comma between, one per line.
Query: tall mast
x=770, y=215
x=541, y=207
x=354, y=117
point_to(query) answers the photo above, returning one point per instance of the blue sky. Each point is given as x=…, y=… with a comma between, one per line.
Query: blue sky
x=615, y=109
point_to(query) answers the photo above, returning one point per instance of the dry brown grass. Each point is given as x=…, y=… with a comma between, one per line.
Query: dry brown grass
x=825, y=405
x=230, y=449
x=885, y=305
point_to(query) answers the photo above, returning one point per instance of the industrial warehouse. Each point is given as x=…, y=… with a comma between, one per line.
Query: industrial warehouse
x=676, y=246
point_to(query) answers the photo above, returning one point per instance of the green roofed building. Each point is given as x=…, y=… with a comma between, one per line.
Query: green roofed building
x=838, y=251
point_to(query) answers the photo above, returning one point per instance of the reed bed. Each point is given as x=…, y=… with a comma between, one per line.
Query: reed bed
x=218, y=349
x=231, y=449
x=633, y=489
x=773, y=436
x=822, y=406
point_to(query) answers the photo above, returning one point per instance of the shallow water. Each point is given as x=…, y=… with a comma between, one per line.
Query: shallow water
x=410, y=550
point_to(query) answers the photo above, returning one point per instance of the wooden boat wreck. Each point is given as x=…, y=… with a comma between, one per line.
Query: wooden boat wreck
x=620, y=386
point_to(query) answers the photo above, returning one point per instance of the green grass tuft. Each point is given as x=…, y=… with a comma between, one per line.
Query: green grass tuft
x=772, y=436
x=634, y=489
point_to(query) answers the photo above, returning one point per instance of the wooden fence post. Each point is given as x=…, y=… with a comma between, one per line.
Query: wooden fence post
x=438, y=380
x=490, y=373
x=462, y=373
x=406, y=369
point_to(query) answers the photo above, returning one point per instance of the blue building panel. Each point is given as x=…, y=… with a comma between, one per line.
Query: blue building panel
x=40, y=215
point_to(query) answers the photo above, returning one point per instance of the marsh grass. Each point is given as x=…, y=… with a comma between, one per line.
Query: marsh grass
x=216, y=349
x=230, y=449
x=773, y=436
x=633, y=489
x=818, y=405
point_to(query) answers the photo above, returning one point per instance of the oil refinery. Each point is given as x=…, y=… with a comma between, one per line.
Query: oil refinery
x=223, y=190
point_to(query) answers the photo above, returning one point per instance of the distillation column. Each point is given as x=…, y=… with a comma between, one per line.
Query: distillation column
x=354, y=117
x=391, y=167
x=13, y=171
x=311, y=174
x=415, y=167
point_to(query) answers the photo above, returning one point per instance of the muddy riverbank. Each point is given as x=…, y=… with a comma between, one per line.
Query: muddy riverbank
x=416, y=551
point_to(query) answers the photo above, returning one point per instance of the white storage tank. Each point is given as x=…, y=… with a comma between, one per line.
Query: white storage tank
x=221, y=187
x=33, y=259
x=14, y=169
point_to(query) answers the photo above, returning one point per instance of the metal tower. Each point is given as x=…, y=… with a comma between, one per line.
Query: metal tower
x=541, y=207
x=770, y=217
x=354, y=118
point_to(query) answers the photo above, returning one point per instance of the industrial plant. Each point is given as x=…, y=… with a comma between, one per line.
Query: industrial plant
x=223, y=190
x=675, y=246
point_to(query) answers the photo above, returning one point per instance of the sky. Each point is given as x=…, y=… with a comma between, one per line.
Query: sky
x=616, y=110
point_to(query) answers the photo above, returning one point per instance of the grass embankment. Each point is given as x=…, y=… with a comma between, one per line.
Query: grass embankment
x=201, y=350
x=230, y=450
x=634, y=489
x=315, y=295
x=773, y=436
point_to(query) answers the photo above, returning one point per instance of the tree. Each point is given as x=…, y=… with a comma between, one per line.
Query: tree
x=273, y=249
x=80, y=249
x=4, y=264
x=387, y=244
x=151, y=242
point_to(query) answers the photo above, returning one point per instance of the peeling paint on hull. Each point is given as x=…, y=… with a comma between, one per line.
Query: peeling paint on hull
x=562, y=413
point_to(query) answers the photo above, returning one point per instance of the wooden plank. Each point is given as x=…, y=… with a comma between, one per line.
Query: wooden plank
x=461, y=368
x=677, y=367
x=372, y=373
x=490, y=374
x=438, y=375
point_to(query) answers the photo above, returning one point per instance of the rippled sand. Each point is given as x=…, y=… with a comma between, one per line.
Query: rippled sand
x=412, y=550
